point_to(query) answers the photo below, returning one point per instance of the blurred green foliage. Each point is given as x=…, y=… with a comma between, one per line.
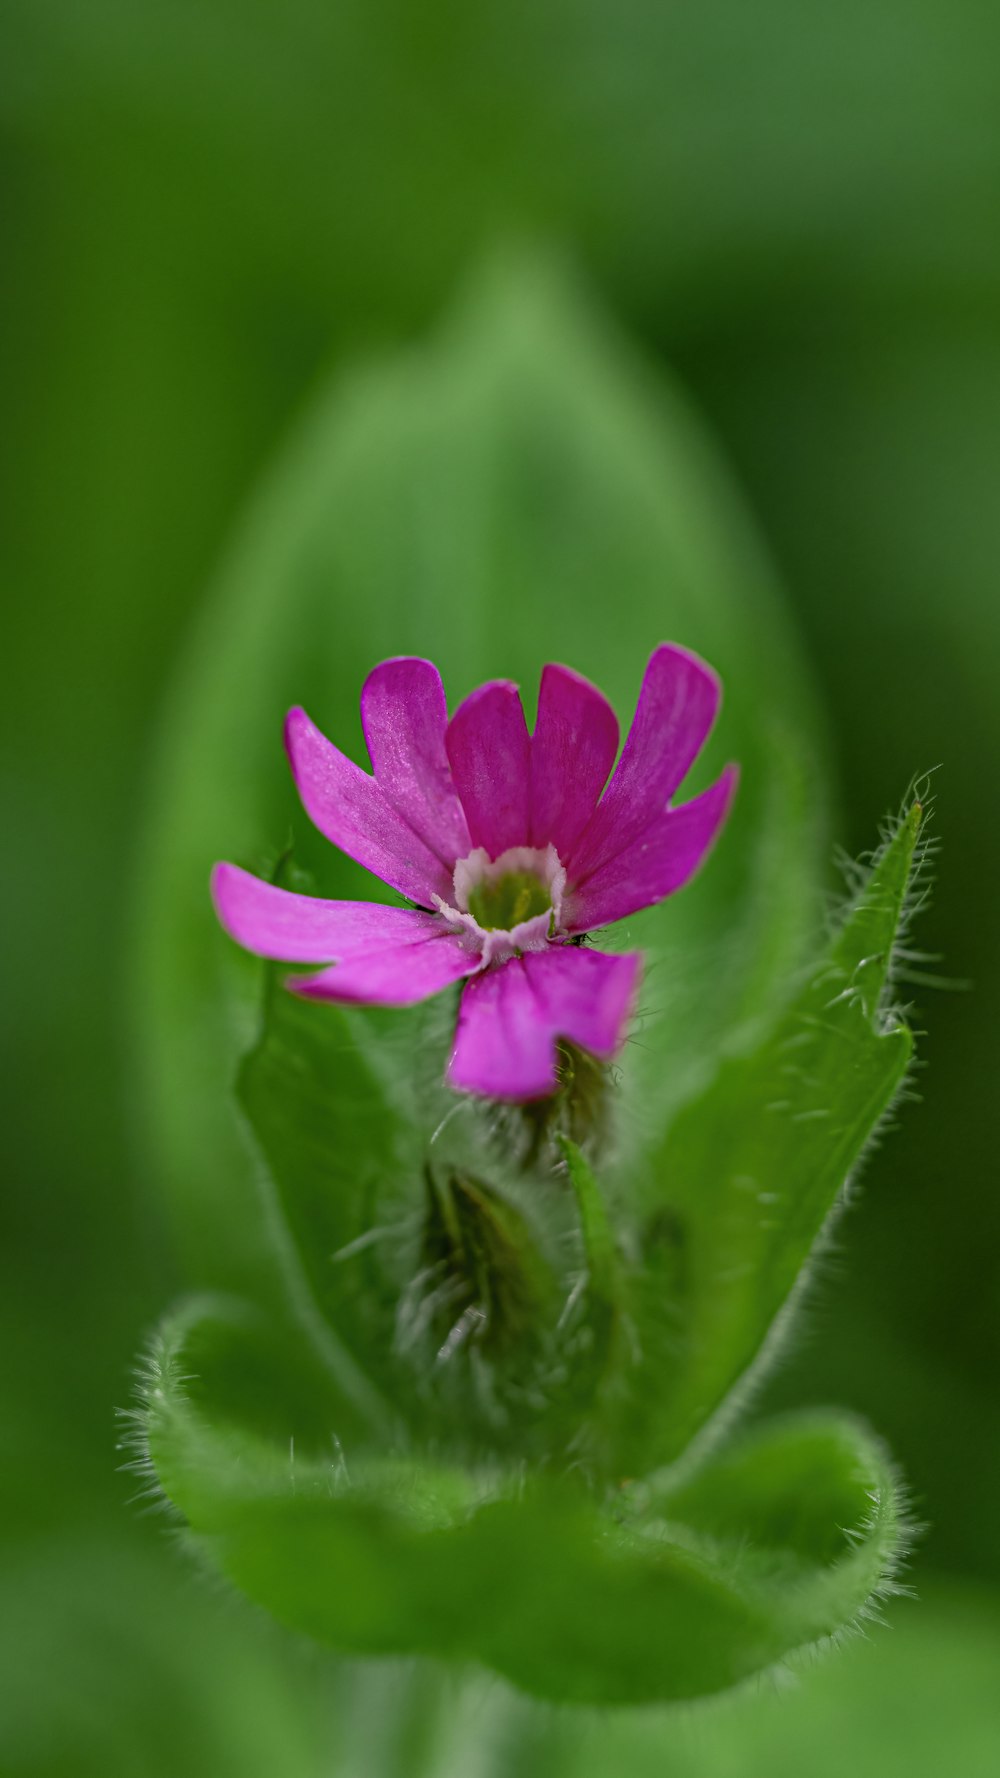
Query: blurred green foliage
x=206, y=206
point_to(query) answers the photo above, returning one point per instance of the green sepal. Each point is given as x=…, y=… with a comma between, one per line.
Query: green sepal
x=484, y=1264
x=602, y=1300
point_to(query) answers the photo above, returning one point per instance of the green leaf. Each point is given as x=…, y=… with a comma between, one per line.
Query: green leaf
x=334, y=1143
x=431, y=1293
x=651, y=1592
x=750, y=1175
x=517, y=490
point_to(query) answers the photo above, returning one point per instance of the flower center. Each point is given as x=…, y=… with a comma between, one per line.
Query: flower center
x=503, y=902
x=509, y=904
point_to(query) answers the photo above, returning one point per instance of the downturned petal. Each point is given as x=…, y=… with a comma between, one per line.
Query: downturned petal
x=511, y=1017
x=274, y=922
x=502, y=1050
x=572, y=751
x=397, y=975
x=404, y=716
x=660, y=861
x=352, y=811
x=490, y=755
x=678, y=704
x=585, y=995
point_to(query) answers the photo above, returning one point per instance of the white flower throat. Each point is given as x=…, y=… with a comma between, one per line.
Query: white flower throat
x=508, y=904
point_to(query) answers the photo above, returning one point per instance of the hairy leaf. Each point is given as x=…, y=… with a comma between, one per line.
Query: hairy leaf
x=647, y=1593
x=750, y=1174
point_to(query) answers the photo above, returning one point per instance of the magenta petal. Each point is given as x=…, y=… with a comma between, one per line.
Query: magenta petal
x=392, y=975
x=353, y=811
x=677, y=706
x=572, y=751
x=663, y=858
x=585, y=995
x=404, y=716
x=502, y=1049
x=511, y=1016
x=275, y=922
x=490, y=756
x=387, y=956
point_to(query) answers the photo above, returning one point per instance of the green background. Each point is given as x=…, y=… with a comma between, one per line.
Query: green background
x=207, y=208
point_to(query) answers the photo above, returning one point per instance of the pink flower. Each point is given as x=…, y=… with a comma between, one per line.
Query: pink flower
x=513, y=846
